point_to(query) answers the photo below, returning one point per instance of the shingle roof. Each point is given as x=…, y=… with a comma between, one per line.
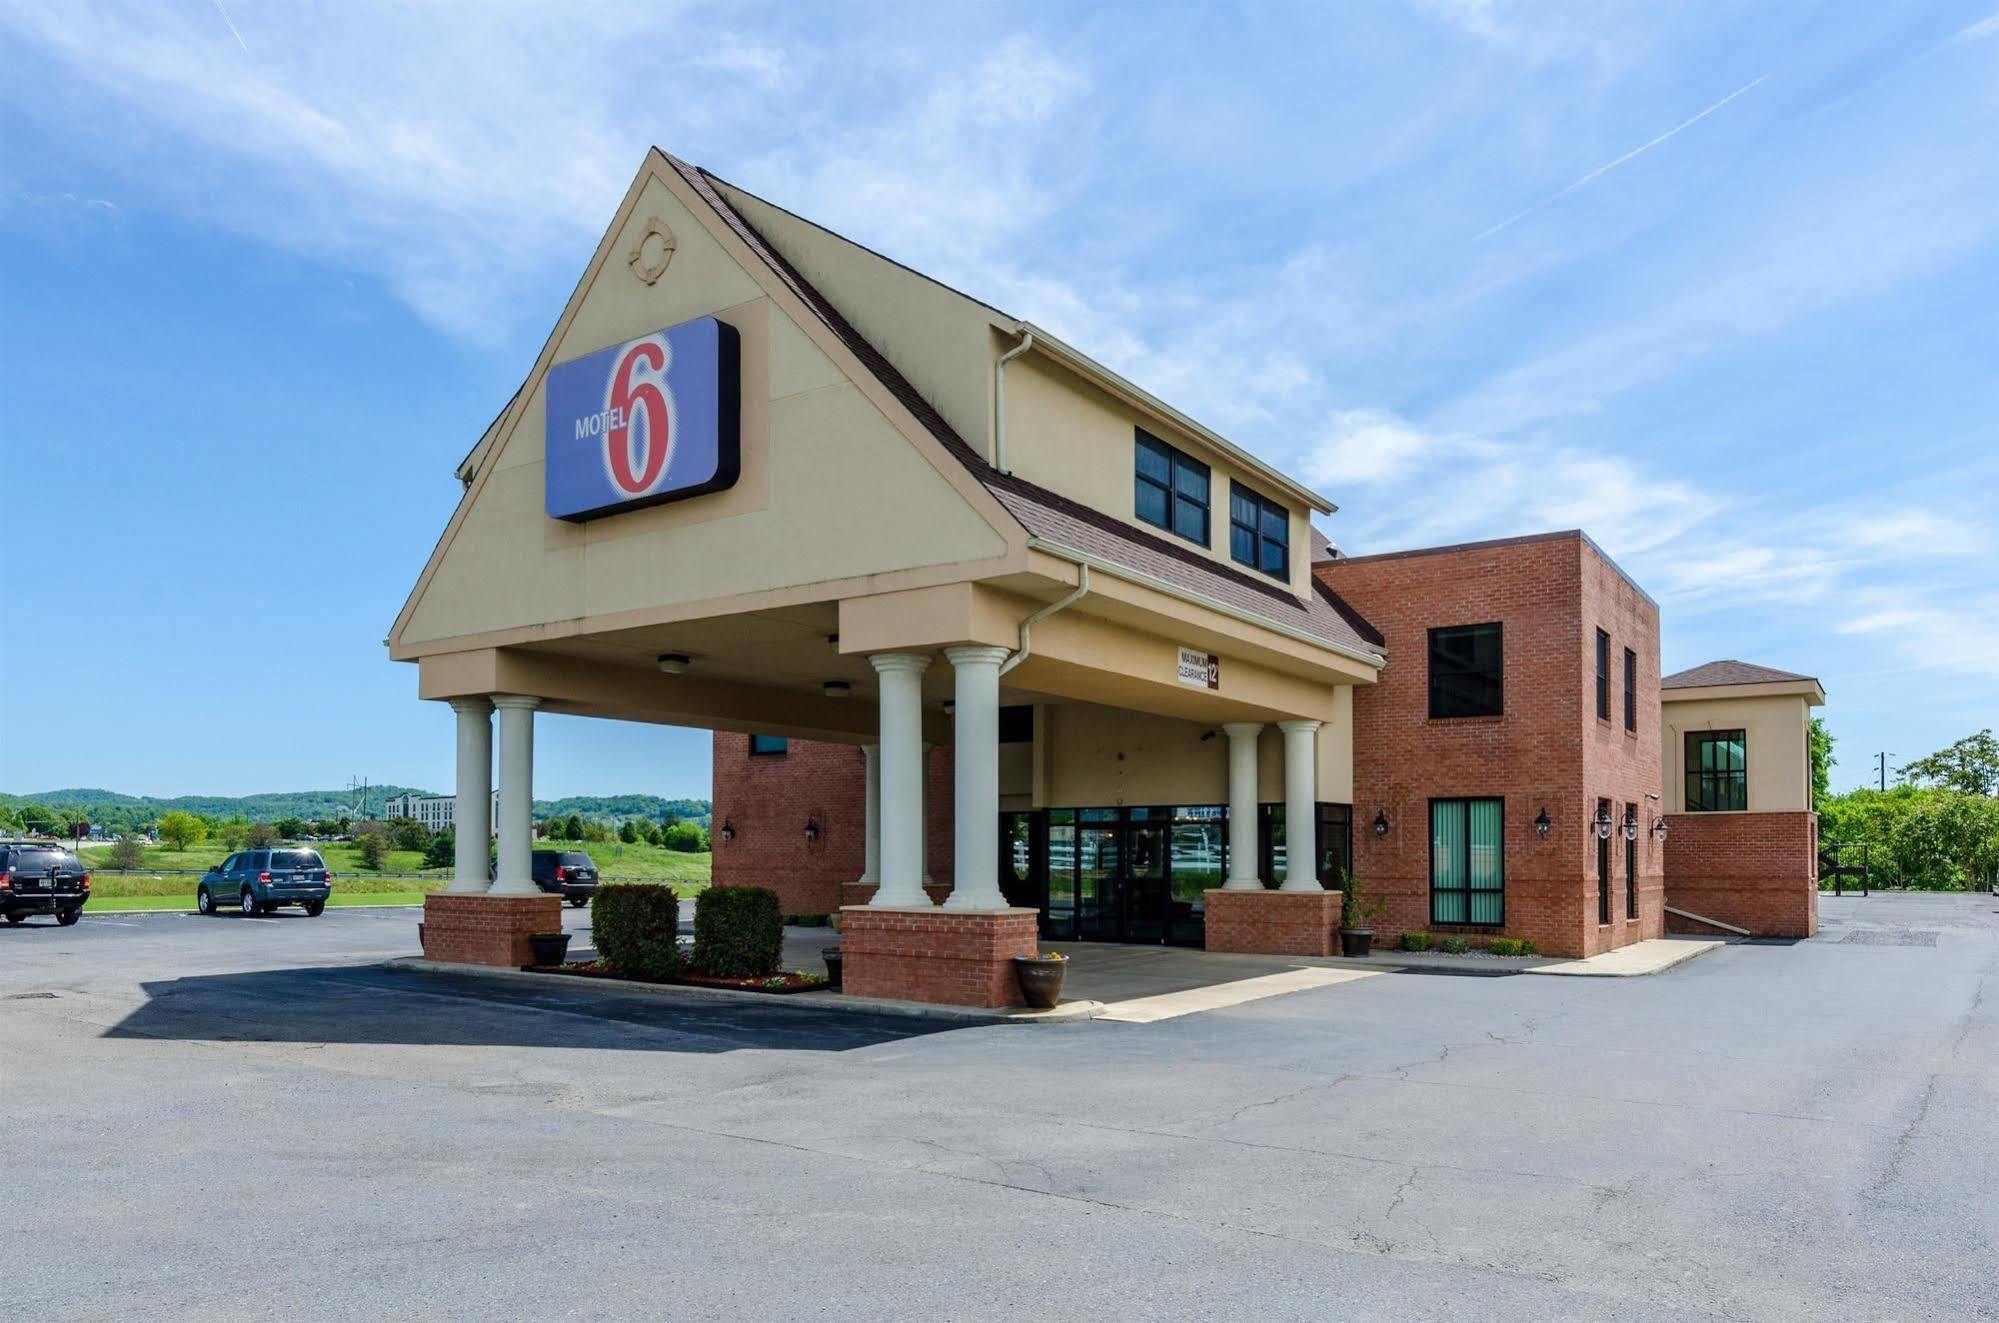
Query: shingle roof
x=1047, y=514
x=1730, y=672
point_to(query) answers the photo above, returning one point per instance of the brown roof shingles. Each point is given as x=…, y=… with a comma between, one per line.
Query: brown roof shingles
x=1730, y=672
x=1046, y=514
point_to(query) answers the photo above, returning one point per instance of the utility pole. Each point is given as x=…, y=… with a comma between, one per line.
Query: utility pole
x=1882, y=759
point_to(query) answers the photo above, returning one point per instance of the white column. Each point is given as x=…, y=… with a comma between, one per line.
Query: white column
x=975, y=780
x=1242, y=805
x=923, y=810
x=1301, y=805
x=516, y=795
x=901, y=676
x=871, y=867
x=470, y=813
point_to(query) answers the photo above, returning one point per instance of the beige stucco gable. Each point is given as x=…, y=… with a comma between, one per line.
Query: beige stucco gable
x=838, y=487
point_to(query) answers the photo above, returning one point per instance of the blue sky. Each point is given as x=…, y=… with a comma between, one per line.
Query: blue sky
x=1719, y=283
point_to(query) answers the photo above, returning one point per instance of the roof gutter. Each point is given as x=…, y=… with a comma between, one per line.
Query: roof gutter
x=1027, y=626
x=999, y=396
x=1087, y=562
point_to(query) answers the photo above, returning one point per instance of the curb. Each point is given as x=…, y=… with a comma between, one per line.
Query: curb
x=1069, y=1012
x=1698, y=947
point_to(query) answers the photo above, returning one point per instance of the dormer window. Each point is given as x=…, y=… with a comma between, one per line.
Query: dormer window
x=1170, y=489
x=1259, y=532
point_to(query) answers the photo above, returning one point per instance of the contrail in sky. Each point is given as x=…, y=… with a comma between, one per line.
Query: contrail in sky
x=232, y=25
x=1608, y=166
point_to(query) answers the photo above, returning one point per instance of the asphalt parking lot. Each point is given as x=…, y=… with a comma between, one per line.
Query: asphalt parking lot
x=219, y=1118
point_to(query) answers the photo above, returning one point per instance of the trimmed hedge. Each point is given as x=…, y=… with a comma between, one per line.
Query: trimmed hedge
x=738, y=932
x=635, y=927
x=1416, y=941
x=1511, y=946
x=1453, y=945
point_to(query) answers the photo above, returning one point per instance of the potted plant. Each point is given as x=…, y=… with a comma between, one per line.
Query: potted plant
x=1357, y=914
x=549, y=948
x=831, y=955
x=1040, y=977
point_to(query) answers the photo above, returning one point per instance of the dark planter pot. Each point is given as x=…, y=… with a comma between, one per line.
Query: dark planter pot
x=549, y=948
x=1040, y=980
x=419, y=938
x=831, y=955
x=1356, y=941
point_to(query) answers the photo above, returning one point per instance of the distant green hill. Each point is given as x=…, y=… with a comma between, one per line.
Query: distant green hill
x=112, y=808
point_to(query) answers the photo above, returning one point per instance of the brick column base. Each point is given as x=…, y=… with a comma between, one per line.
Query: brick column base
x=1300, y=923
x=860, y=893
x=472, y=929
x=956, y=957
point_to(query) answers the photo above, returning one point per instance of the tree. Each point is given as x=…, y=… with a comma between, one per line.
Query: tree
x=233, y=833
x=442, y=851
x=572, y=827
x=685, y=836
x=126, y=854
x=372, y=844
x=1819, y=740
x=1971, y=765
x=259, y=835
x=181, y=831
x=408, y=834
x=628, y=832
x=653, y=834
x=290, y=828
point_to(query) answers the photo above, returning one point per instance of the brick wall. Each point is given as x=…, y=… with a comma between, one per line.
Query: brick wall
x=1274, y=922
x=1546, y=751
x=1755, y=870
x=769, y=799
x=935, y=955
x=486, y=930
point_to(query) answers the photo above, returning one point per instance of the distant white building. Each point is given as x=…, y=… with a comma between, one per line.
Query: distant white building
x=435, y=812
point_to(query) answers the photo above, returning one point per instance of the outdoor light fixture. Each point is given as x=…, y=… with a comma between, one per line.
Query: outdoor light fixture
x=728, y=830
x=1381, y=822
x=1659, y=828
x=1603, y=824
x=836, y=689
x=811, y=830
x=950, y=707
x=1631, y=826
x=673, y=663
x=1541, y=824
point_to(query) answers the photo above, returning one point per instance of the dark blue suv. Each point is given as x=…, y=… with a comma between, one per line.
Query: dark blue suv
x=262, y=880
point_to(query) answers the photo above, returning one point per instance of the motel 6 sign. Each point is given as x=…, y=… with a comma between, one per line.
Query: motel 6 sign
x=648, y=421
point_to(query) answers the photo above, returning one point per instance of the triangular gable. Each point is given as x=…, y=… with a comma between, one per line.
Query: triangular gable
x=799, y=334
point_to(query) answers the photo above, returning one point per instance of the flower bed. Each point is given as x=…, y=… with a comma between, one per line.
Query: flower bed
x=796, y=980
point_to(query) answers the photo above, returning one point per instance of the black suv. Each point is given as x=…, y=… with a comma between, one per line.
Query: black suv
x=37, y=877
x=571, y=874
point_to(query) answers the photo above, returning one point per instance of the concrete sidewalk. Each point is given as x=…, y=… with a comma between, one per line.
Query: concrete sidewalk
x=1634, y=961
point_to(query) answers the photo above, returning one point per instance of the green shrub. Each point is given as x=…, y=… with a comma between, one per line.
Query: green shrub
x=1453, y=945
x=636, y=929
x=1505, y=946
x=1416, y=941
x=1527, y=948
x=738, y=932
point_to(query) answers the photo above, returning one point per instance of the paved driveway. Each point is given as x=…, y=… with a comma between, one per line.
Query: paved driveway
x=219, y=1119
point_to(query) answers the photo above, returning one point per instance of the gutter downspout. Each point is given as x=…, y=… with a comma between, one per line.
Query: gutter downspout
x=999, y=398
x=1027, y=625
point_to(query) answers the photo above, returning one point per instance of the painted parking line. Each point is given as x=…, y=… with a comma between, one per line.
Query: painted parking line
x=1216, y=996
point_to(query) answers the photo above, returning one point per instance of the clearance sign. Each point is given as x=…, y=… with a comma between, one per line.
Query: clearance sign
x=644, y=422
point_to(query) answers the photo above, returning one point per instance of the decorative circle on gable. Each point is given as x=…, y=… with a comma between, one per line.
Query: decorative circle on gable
x=653, y=251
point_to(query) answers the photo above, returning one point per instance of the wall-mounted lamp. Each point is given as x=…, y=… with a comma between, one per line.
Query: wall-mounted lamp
x=950, y=707
x=673, y=663
x=811, y=829
x=728, y=830
x=1381, y=822
x=1631, y=826
x=836, y=689
x=1603, y=825
x=1541, y=824
x=1659, y=828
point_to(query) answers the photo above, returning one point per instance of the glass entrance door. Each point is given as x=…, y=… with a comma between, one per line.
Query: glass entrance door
x=1098, y=902
x=1144, y=881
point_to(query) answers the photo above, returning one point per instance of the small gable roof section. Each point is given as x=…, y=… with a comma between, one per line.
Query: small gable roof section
x=1732, y=674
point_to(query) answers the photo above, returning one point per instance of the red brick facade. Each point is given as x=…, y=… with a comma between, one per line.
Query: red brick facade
x=1757, y=871
x=1304, y=923
x=1548, y=751
x=487, y=930
x=769, y=798
x=959, y=959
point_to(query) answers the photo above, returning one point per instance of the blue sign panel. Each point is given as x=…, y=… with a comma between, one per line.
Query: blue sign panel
x=644, y=422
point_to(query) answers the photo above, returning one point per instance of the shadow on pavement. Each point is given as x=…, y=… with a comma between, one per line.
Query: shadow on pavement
x=318, y=1005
